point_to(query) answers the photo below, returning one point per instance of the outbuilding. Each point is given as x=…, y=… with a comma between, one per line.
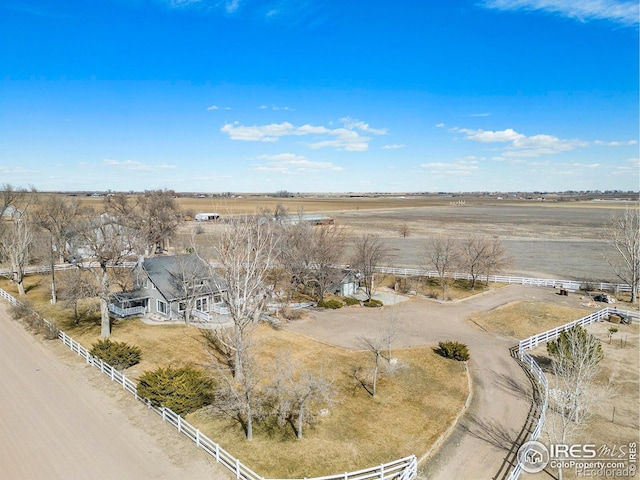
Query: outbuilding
x=207, y=217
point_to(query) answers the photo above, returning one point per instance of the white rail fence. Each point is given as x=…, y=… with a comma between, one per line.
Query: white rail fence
x=538, y=374
x=537, y=282
x=416, y=272
x=403, y=469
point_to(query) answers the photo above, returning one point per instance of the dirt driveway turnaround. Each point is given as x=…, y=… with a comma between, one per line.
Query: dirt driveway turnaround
x=501, y=401
x=57, y=421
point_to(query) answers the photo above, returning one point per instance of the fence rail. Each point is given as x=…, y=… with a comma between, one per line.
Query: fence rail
x=402, y=469
x=537, y=282
x=538, y=374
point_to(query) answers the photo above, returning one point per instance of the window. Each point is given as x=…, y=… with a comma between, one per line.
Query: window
x=202, y=304
x=182, y=306
x=162, y=307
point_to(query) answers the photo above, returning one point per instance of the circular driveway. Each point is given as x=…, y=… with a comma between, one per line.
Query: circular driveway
x=501, y=401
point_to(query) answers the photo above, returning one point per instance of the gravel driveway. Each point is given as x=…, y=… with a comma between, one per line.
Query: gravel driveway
x=501, y=400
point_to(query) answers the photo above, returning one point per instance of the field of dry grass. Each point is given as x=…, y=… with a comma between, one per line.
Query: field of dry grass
x=616, y=418
x=523, y=319
x=414, y=405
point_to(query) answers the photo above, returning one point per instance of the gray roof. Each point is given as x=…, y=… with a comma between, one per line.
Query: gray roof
x=179, y=276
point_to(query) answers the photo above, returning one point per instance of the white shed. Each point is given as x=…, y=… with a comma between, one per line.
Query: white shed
x=207, y=217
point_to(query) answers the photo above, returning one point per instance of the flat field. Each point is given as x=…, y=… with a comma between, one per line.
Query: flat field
x=563, y=240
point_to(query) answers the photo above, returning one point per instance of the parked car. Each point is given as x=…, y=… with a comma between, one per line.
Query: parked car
x=604, y=298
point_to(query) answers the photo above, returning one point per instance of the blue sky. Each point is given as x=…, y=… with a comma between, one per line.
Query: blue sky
x=319, y=96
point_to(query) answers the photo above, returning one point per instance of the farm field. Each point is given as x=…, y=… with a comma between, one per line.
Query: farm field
x=554, y=240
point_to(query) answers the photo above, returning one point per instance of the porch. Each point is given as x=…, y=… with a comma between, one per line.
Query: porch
x=128, y=304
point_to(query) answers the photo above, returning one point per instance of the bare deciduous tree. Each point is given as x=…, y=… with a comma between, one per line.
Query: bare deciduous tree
x=16, y=230
x=497, y=259
x=576, y=356
x=440, y=253
x=104, y=241
x=295, y=255
x=327, y=245
x=368, y=253
x=380, y=347
x=57, y=215
x=158, y=216
x=624, y=238
x=15, y=242
x=480, y=255
x=245, y=251
x=75, y=286
x=300, y=394
x=242, y=398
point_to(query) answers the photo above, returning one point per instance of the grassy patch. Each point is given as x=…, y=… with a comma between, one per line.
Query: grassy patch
x=413, y=407
x=523, y=319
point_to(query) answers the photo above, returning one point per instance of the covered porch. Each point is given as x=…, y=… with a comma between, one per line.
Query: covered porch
x=129, y=304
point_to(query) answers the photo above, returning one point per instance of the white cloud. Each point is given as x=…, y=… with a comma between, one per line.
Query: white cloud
x=479, y=114
x=440, y=125
x=462, y=166
x=212, y=107
x=255, y=133
x=347, y=139
x=291, y=164
x=487, y=136
x=631, y=168
x=393, y=146
x=232, y=5
x=615, y=144
x=352, y=124
x=624, y=12
x=520, y=145
x=135, y=165
x=276, y=108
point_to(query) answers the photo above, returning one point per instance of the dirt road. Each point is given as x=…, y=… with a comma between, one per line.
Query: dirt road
x=60, y=419
x=478, y=446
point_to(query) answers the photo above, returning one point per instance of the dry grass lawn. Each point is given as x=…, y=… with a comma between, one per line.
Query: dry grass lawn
x=414, y=405
x=620, y=369
x=523, y=319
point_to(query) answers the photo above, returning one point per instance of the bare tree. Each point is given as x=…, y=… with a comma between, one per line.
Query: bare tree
x=158, y=217
x=56, y=214
x=75, y=286
x=15, y=242
x=576, y=355
x=480, y=255
x=191, y=279
x=624, y=238
x=376, y=347
x=300, y=394
x=104, y=241
x=473, y=251
x=440, y=253
x=12, y=199
x=295, y=255
x=242, y=398
x=404, y=230
x=368, y=253
x=380, y=347
x=245, y=251
x=496, y=258
x=16, y=230
x=327, y=244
